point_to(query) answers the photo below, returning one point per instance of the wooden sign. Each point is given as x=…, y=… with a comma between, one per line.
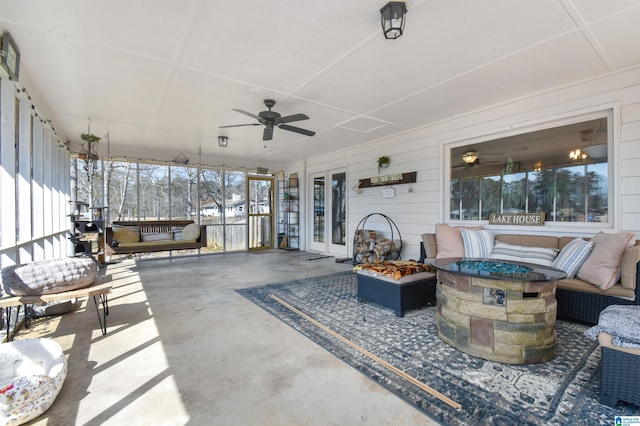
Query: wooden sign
x=393, y=179
x=531, y=219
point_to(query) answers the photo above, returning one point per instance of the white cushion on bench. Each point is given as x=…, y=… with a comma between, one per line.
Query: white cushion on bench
x=48, y=276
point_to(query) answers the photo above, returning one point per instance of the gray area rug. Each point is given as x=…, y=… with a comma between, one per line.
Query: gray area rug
x=563, y=391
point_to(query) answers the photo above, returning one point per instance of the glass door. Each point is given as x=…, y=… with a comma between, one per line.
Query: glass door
x=317, y=240
x=260, y=213
x=329, y=211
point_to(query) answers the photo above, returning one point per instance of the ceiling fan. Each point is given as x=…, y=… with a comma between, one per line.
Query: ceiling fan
x=270, y=119
x=471, y=158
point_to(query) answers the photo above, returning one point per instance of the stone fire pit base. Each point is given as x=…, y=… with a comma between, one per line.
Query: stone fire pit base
x=506, y=321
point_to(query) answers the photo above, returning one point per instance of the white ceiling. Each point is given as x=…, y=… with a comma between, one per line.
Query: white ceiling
x=160, y=76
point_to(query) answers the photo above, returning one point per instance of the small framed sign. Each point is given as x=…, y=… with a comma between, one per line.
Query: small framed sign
x=531, y=219
x=10, y=59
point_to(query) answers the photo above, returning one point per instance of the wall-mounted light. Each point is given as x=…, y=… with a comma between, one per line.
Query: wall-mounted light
x=223, y=141
x=393, y=19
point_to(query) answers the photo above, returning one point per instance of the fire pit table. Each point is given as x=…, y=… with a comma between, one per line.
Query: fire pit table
x=497, y=310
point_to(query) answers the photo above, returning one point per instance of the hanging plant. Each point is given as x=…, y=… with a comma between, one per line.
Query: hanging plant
x=90, y=138
x=383, y=163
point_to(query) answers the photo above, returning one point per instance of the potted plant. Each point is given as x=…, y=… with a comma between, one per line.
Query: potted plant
x=383, y=163
x=90, y=139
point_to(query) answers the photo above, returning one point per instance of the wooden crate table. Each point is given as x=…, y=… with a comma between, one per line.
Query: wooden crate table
x=99, y=290
x=399, y=285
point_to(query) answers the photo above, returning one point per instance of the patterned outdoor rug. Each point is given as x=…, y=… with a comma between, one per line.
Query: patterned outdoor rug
x=563, y=391
x=306, y=255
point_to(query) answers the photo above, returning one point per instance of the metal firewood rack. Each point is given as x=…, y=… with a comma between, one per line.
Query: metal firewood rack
x=394, y=236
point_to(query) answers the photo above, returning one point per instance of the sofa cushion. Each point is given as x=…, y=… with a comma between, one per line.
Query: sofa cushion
x=177, y=233
x=529, y=240
x=572, y=256
x=477, y=244
x=48, y=276
x=449, y=240
x=575, y=284
x=629, y=266
x=191, y=232
x=157, y=236
x=126, y=234
x=429, y=244
x=603, y=266
x=510, y=252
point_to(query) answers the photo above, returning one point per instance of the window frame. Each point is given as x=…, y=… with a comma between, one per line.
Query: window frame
x=610, y=112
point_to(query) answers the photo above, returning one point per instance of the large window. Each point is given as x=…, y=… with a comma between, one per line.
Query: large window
x=562, y=172
x=142, y=191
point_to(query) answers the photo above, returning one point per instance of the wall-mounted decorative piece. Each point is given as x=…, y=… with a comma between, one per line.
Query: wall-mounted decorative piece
x=10, y=59
x=383, y=163
x=531, y=219
x=393, y=179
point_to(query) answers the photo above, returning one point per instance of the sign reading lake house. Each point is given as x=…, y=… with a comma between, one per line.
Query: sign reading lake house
x=388, y=180
x=531, y=219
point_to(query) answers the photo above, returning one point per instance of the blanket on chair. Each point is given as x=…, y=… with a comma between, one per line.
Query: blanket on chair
x=622, y=322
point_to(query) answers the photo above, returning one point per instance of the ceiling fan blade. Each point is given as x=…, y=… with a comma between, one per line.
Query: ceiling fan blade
x=238, y=125
x=247, y=113
x=267, y=135
x=294, y=117
x=297, y=130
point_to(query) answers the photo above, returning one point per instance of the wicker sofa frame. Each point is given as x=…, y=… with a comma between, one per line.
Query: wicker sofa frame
x=619, y=373
x=154, y=226
x=579, y=305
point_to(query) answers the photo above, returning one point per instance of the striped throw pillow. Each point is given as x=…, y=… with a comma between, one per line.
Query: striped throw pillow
x=477, y=244
x=572, y=256
x=158, y=236
x=514, y=253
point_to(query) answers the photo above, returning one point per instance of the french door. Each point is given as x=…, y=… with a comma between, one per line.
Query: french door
x=329, y=211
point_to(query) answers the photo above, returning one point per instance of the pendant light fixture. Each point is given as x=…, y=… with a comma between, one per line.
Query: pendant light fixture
x=393, y=16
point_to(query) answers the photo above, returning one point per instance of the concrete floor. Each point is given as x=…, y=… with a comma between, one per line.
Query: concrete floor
x=183, y=348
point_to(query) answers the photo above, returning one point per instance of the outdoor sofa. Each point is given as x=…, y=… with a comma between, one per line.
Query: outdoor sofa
x=577, y=298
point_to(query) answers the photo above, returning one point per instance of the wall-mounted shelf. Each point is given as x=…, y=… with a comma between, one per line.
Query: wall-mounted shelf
x=288, y=215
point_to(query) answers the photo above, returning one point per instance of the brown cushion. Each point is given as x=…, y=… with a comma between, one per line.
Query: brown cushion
x=629, y=261
x=126, y=234
x=449, y=240
x=603, y=266
x=529, y=240
x=429, y=243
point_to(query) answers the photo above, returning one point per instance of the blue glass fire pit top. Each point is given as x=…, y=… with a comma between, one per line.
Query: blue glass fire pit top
x=499, y=270
x=493, y=266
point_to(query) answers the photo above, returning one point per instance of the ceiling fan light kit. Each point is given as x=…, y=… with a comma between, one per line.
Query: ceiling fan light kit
x=392, y=17
x=470, y=157
x=270, y=119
